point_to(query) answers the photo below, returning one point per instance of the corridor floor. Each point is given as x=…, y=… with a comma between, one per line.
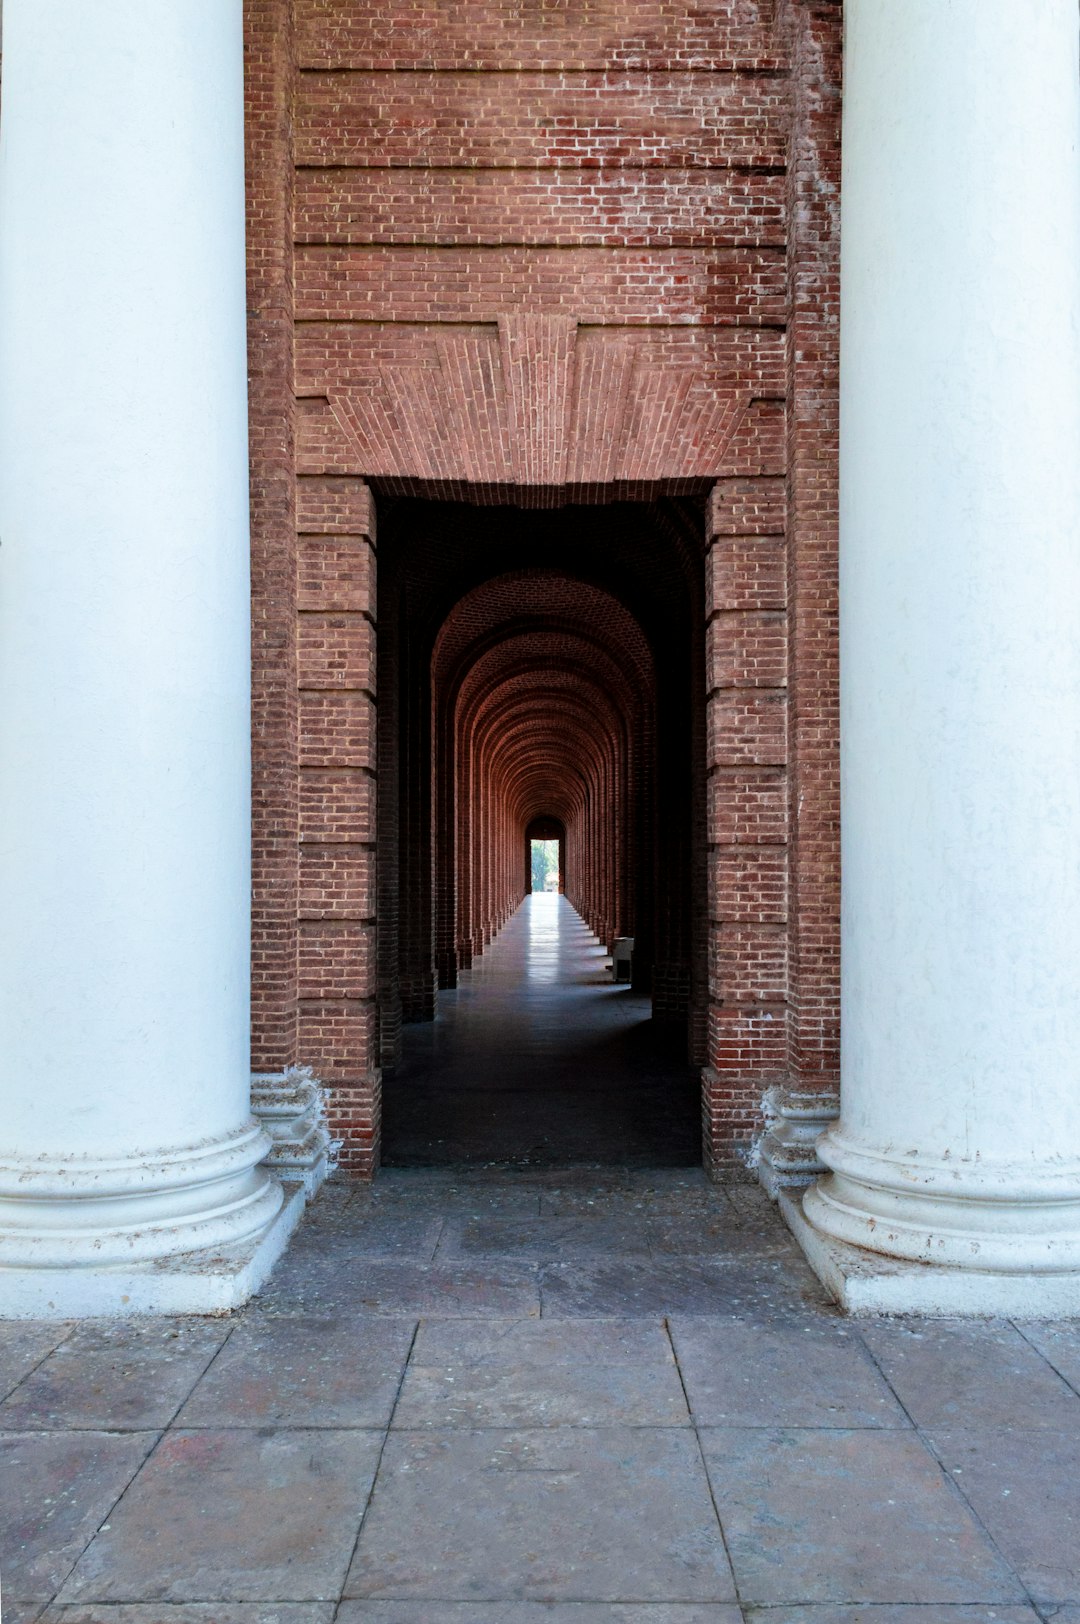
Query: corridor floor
x=537, y=1060
x=533, y=1398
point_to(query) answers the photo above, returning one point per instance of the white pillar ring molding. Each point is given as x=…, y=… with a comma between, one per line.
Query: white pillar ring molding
x=81, y=1211
x=959, y=1215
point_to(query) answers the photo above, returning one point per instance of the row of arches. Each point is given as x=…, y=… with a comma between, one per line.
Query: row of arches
x=544, y=694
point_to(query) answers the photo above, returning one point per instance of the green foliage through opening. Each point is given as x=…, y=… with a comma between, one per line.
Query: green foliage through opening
x=545, y=865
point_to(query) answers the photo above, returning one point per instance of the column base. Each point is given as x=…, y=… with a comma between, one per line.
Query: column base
x=992, y=1217
x=289, y=1106
x=90, y=1212
x=210, y=1281
x=788, y=1155
x=865, y=1283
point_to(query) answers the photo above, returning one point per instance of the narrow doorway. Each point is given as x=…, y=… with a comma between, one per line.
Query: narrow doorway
x=544, y=865
x=545, y=839
x=544, y=740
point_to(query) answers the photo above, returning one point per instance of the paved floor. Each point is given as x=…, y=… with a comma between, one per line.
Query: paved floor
x=537, y=1060
x=534, y=1398
x=511, y=1393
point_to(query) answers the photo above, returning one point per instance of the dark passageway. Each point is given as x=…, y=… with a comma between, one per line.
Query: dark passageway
x=541, y=681
x=537, y=1059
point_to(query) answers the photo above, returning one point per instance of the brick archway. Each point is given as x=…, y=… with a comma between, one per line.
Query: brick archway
x=639, y=314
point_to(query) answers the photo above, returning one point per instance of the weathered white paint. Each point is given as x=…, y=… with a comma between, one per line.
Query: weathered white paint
x=290, y=1107
x=865, y=1282
x=795, y=1119
x=124, y=751
x=959, y=1137
x=206, y=1281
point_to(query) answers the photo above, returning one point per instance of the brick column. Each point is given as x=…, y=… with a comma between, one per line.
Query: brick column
x=268, y=127
x=746, y=734
x=802, y=1106
x=336, y=956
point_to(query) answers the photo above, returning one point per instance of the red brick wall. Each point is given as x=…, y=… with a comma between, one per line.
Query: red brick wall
x=268, y=70
x=747, y=640
x=774, y=817
x=535, y=255
x=814, y=31
x=539, y=248
x=336, y=947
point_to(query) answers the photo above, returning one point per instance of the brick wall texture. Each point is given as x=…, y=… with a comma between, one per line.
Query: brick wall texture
x=550, y=290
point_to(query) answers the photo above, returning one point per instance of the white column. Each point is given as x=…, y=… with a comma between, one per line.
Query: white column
x=958, y=1143
x=126, y=1132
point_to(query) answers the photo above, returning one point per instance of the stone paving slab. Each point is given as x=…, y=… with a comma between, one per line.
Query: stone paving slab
x=56, y=1488
x=805, y=1438
x=810, y=1372
x=749, y=1199
x=234, y=1516
x=126, y=1376
x=541, y=1373
x=304, y=1373
x=470, y=1200
x=17, y=1610
x=951, y=1374
x=488, y=1178
x=900, y=1614
x=1060, y=1345
x=214, y=1612
x=626, y=1288
x=676, y=1178
x=1025, y=1487
x=716, y=1235
x=396, y=1234
x=24, y=1344
x=492, y=1112
x=674, y=1201
x=533, y=1344
x=542, y=1238
x=375, y=1233
x=563, y=1178
x=528, y=1612
x=331, y=1220
x=636, y=1229
x=356, y=1284
x=848, y=1516
x=616, y=1514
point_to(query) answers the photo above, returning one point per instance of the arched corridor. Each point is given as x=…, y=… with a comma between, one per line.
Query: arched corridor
x=543, y=677
x=538, y=1059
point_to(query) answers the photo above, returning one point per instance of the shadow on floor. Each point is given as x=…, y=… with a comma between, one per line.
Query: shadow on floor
x=537, y=1060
